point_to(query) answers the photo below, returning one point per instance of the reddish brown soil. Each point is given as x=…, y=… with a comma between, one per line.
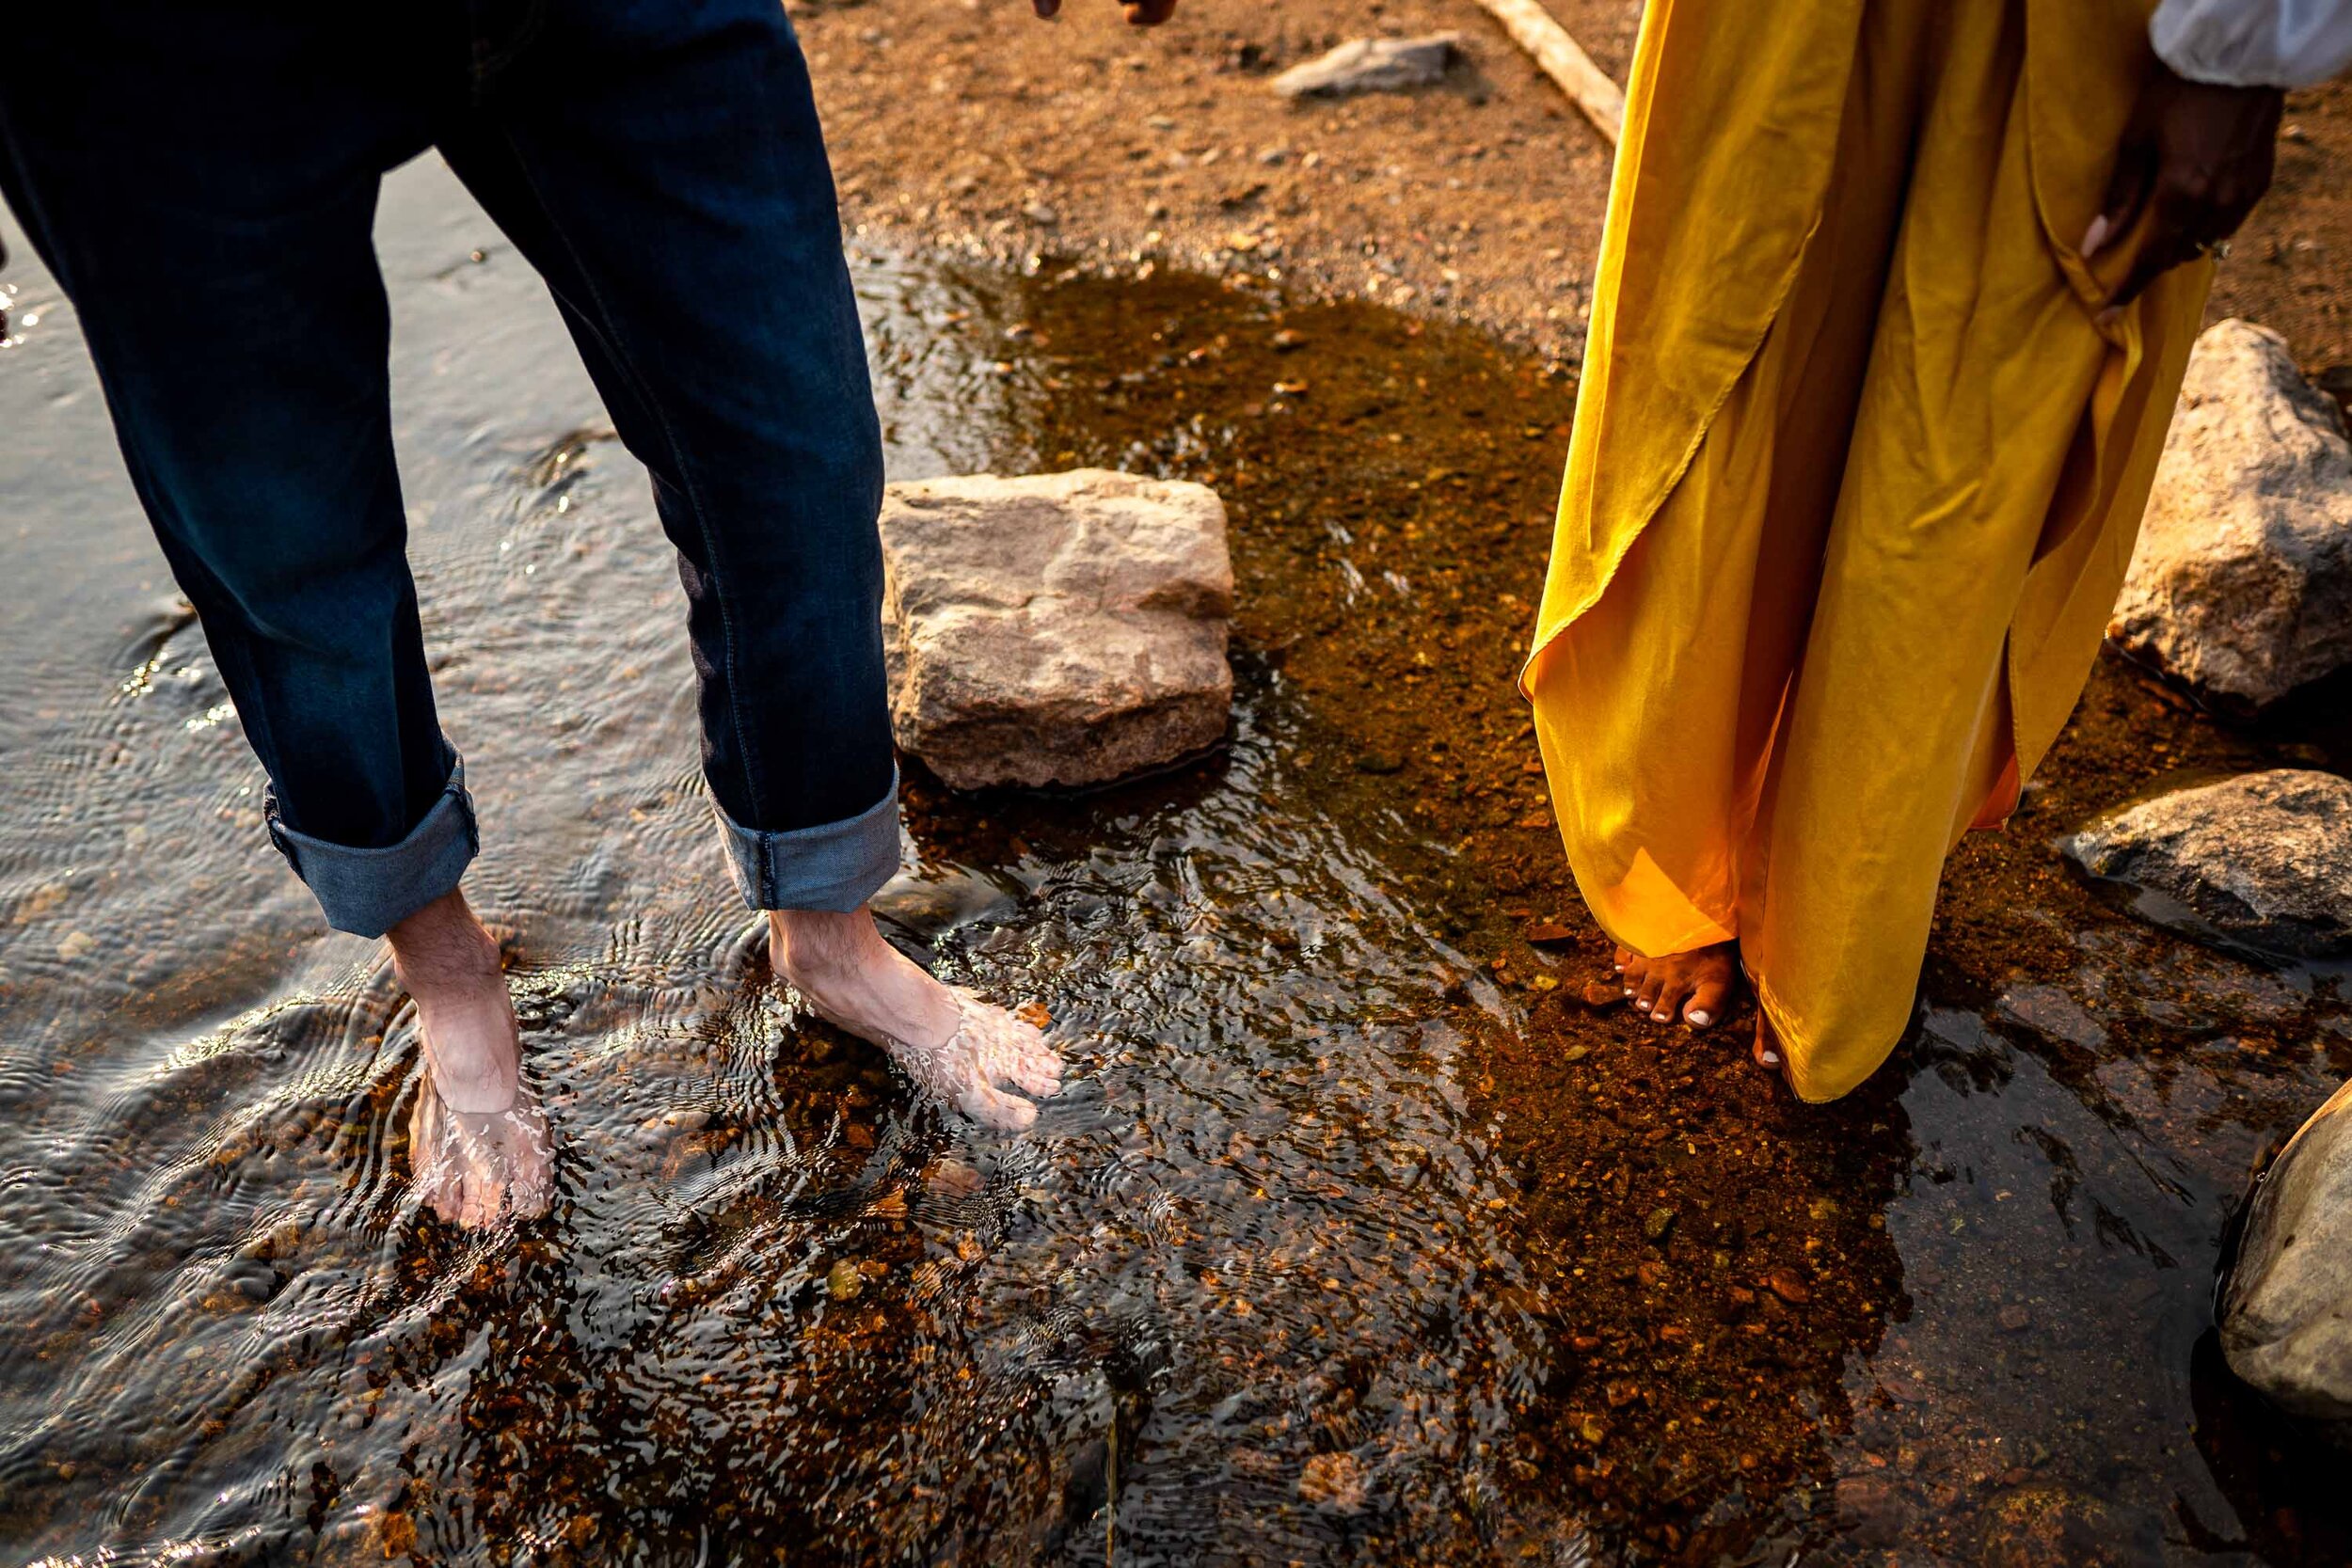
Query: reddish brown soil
x=969, y=125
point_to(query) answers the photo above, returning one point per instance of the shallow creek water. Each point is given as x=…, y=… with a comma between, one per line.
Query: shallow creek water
x=1358, y=1237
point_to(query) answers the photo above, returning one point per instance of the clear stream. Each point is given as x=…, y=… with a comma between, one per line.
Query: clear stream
x=1342, y=1246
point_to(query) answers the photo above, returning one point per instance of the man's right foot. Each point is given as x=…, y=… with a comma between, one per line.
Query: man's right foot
x=1697, y=986
x=951, y=1042
x=477, y=1142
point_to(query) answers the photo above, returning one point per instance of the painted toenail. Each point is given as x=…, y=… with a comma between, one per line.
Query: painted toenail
x=1702, y=1018
x=1772, y=1058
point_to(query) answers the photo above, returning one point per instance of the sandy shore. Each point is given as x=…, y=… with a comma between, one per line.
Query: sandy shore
x=968, y=125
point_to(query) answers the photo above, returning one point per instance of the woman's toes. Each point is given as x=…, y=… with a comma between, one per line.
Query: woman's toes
x=1707, y=1004
x=1671, y=996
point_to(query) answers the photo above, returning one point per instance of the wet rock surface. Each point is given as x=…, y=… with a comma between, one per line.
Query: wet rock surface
x=2286, y=1309
x=1372, y=65
x=1055, y=629
x=2263, y=860
x=2242, y=582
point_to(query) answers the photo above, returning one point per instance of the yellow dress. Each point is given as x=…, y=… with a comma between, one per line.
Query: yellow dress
x=1855, y=475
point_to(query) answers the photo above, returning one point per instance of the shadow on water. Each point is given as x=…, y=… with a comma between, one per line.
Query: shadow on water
x=1359, y=1236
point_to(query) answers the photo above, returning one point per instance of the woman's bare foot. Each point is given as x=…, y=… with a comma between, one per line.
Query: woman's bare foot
x=946, y=1039
x=1698, y=984
x=477, y=1140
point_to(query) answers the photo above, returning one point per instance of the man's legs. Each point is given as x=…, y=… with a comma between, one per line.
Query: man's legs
x=203, y=184
x=662, y=167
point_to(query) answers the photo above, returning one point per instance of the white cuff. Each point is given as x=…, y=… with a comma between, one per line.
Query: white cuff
x=2254, y=44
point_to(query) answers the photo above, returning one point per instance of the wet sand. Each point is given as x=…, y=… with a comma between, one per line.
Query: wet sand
x=1358, y=1237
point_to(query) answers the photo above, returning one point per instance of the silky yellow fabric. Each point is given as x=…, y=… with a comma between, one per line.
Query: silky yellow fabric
x=1857, y=472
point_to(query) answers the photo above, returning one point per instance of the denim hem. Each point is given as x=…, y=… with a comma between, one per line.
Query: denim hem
x=368, y=891
x=834, y=866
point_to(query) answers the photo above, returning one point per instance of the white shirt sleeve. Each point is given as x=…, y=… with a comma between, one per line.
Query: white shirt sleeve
x=2252, y=43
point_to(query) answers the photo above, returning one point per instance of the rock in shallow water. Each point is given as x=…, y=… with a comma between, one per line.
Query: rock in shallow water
x=2286, y=1309
x=2242, y=582
x=1055, y=629
x=2263, y=860
x=1372, y=65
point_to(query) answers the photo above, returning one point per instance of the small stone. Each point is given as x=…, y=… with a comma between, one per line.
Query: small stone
x=1548, y=933
x=891, y=1205
x=1660, y=1222
x=1379, y=762
x=2263, y=860
x=1288, y=340
x=2013, y=1318
x=2286, y=1305
x=845, y=1280
x=1372, y=65
x=1333, y=1482
x=74, y=944
x=2241, y=585
x=946, y=1176
x=1034, y=1014
x=1881, y=1515
x=1041, y=214
x=1789, y=1287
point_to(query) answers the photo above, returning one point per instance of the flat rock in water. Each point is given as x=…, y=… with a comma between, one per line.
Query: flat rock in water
x=1372, y=65
x=1055, y=629
x=2286, y=1309
x=2263, y=860
x=2242, y=583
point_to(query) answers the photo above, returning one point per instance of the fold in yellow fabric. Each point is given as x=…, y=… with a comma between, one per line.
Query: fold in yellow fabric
x=1857, y=471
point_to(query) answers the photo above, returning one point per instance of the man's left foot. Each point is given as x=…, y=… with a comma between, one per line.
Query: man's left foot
x=948, y=1041
x=1697, y=985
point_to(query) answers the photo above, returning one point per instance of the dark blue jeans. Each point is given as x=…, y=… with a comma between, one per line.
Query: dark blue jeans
x=202, y=177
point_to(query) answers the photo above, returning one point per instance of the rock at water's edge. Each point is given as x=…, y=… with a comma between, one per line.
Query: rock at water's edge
x=2286, y=1309
x=2263, y=860
x=1372, y=65
x=2242, y=583
x=1055, y=629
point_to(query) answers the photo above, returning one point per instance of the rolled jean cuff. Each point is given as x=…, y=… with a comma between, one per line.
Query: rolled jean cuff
x=834, y=865
x=368, y=891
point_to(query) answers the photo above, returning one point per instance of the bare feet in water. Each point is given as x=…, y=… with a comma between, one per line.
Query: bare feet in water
x=477, y=1140
x=1697, y=985
x=946, y=1039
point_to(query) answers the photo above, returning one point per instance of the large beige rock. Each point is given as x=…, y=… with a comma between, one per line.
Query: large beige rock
x=2263, y=859
x=2242, y=583
x=1055, y=630
x=2286, y=1307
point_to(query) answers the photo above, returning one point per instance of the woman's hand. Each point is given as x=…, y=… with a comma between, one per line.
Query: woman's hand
x=2196, y=157
x=1140, y=13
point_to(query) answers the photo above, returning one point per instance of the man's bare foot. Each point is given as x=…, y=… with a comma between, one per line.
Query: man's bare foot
x=1698, y=984
x=477, y=1141
x=468, y=1165
x=946, y=1039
